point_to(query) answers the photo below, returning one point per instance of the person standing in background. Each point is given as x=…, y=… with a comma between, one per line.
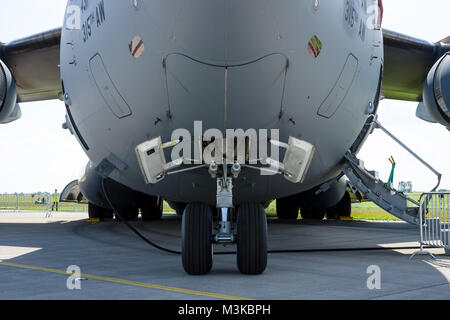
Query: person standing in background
x=55, y=200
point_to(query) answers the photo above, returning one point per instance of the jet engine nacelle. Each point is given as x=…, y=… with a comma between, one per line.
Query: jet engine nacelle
x=436, y=92
x=9, y=109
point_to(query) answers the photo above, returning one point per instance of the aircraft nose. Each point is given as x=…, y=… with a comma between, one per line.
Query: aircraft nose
x=248, y=95
x=224, y=31
x=231, y=49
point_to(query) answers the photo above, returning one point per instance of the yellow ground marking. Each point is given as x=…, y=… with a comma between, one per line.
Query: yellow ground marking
x=346, y=218
x=128, y=282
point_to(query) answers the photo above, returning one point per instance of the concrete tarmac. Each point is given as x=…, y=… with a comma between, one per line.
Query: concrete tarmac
x=35, y=253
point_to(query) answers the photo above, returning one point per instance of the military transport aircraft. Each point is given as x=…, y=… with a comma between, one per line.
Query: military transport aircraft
x=145, y=80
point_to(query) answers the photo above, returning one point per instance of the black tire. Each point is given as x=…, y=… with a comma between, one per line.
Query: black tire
x=305, y=212
x=314, y=213
x=251, y=239
x=332, y=213
x=196, y=242
x=179, y=207
x=344, y=207
x=108, y=214
x=128, y=214
x=287, y=208
x=152, y=209
x=96, y=212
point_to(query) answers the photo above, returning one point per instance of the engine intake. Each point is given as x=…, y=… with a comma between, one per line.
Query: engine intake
x=9, y=109
x=436, y=92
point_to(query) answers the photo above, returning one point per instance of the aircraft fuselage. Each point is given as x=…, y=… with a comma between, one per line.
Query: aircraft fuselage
x=136, y=70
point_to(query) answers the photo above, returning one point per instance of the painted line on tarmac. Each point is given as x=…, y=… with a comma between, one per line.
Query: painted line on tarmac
x=127, y=282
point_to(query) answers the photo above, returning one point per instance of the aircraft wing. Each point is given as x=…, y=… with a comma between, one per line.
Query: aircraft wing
x=34, y=64
x=407, y=62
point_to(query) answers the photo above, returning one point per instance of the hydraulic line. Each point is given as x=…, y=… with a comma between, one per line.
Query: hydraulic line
x=273, y=251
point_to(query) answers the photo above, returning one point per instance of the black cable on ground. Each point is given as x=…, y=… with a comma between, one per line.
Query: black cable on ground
x=274, y=251
x=140, y=235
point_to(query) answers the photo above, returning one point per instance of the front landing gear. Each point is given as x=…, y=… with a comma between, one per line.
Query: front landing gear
x=196, y=243
x=251, y=238
x=197, y=236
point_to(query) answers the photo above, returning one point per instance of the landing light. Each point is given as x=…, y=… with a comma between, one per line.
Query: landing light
x=297, y=160
x=152, y=160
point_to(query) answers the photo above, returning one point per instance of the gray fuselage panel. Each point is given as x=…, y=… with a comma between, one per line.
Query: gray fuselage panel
x=136, y=73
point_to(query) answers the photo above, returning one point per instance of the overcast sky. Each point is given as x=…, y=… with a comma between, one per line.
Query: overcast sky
x=37, y=155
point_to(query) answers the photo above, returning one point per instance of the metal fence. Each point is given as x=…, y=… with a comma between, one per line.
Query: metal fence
x=36, y=202
x=434, y=221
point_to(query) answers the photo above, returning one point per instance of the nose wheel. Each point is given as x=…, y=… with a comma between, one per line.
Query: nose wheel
x=196, y=239
x=251, y=238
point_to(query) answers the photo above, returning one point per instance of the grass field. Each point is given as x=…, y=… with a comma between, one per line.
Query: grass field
x=28, y=202
x=360, y=211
